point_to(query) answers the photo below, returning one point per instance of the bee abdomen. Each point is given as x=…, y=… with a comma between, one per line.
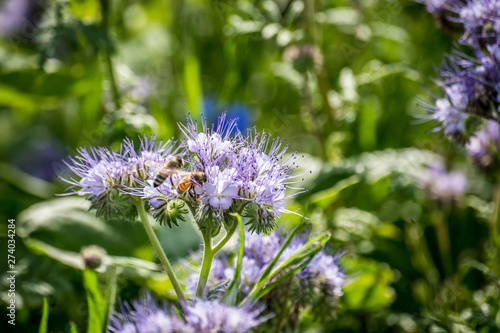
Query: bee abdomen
x=159, y=179
x=183, y=186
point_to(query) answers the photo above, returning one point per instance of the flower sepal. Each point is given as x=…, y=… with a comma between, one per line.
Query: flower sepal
x=168, y=212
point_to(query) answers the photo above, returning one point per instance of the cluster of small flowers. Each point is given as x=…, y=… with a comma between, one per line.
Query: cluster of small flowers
x=146, y=316
x=471, y=84
x=484, y=146
x=106, y=177
x=443, y=185
x=318, y=285
x=247, y=174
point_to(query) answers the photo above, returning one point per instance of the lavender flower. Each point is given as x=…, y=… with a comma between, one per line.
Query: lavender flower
x=318, y=284
x=484, y=146
x=108, y=178
x=452, y=120
x=145, y=316
x=471, y=83
x=244, y=174
x=102, y=173
x=240, y=170
x=211, y=316
x=444, y=186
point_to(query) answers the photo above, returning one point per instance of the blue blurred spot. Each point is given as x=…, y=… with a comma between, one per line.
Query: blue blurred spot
x=213, y=108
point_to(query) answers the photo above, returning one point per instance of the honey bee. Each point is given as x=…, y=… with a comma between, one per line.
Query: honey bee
x=183, y=181
x=188, y=182
x=171, y=166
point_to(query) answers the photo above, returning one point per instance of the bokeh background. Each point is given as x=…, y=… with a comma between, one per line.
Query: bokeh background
x=339, y=80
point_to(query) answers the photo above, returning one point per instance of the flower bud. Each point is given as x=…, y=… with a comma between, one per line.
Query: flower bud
x=93, y=256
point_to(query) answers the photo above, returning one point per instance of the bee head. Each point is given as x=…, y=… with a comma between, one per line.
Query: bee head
x=200, y=177
x=175, y=162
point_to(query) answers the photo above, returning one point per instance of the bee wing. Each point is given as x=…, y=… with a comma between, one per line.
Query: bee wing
x=154, y=166
x=177, y=175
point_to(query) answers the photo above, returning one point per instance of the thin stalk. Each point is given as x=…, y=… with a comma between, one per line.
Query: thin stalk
x=106, y=12
x=159, y=251
x=495, y=221
x=208, y=257
x=226, y=238
x=111, y=292
x=443, y=236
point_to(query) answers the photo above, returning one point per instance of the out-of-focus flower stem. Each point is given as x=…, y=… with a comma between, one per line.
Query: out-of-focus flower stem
x=159, y=251
x=495, y=221
x=106, y=12
x=443, y=237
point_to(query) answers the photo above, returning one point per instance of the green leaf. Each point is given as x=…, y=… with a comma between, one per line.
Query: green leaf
x=45, y=317
x=129, y=266
x=25, y=182
x=192, y=84
x=66, y=223
x=72, y=327
x=371, y=289
x=111, y=290
x=96, y=304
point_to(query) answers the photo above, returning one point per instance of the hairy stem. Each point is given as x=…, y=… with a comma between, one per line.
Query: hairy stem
x=208, y=257
x=209, y=254
x=159, y=251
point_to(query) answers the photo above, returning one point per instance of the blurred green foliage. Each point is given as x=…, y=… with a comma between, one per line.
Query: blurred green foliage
x=338, y=80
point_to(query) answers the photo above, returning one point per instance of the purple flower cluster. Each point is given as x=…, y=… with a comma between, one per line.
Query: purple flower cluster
x=243, y=172
x=247, y=174
x=105, y=177
x=322, y=279
x=445, y=186
x=471, y=84
x=484, y=146
x=145, y=316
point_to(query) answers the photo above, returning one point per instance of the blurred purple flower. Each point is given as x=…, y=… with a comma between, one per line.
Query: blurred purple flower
x=145, y=316
x=484, y=146
x=211, y=316
x=443, y=185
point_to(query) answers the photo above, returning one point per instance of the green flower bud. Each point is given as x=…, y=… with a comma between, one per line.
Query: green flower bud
x=93, y=256
x=260, y=219
x=169, y=212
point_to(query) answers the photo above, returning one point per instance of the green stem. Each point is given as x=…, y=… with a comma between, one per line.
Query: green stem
x=209, y=254
x=159, y=251
x=226, y=238
x=208, y=257
x=106, y=12
x=495, y=222
x=443, y=236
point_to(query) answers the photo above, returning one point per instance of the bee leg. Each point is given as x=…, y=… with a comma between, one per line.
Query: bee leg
x=193, y=195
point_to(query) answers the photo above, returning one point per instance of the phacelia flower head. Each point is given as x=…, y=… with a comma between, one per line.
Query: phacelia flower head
x=318, y=284
x=212, y=316
x=451, y=119
x=101, y=174
x=145, y=316
x=242, y=172
x=484, y=146
x=471, y=83
x=215, y=171
x=444, y=186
